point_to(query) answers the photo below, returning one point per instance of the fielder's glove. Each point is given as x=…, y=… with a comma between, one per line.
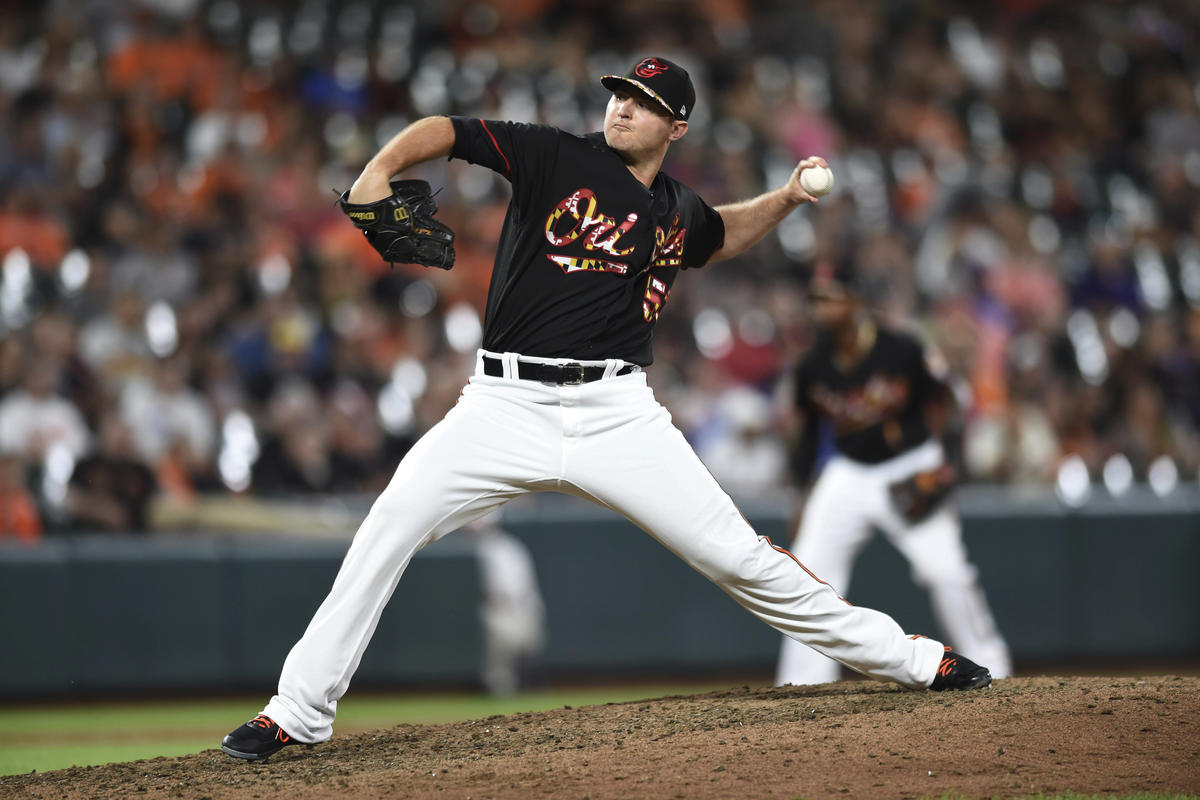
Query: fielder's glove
x=402, y=228
x=917, y=497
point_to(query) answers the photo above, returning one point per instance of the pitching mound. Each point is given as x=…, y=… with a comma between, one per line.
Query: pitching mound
x=856, y=739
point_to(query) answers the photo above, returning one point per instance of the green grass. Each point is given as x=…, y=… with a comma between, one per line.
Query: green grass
x=57, y=736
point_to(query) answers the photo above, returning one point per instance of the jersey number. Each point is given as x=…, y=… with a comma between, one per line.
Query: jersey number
x=656, y=298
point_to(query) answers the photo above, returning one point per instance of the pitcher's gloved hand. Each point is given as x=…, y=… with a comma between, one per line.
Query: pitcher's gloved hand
x=401, y=226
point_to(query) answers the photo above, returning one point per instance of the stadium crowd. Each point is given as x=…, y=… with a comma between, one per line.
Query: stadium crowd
x=184, y=312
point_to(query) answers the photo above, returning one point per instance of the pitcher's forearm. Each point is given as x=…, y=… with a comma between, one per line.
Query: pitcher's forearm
x=750, y=220
x=424, y=140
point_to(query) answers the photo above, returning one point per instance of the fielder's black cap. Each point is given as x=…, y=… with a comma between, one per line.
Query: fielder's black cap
x=663, y=81
x=842, y=278
x=834, y=276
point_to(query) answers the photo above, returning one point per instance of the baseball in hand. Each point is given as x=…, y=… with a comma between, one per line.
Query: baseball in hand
x=817, y=181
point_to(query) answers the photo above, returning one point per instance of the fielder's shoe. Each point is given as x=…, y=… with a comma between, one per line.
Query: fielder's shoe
x=957, y=672
x=258, y=738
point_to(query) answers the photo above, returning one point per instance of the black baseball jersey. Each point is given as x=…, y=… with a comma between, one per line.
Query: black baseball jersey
x=876, y=407
x=587, y=254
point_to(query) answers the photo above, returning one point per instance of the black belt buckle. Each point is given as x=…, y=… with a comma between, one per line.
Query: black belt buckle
x=573, y=380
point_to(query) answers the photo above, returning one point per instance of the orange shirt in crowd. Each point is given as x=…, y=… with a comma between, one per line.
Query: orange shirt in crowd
x=43, y=238
x=19, y=518
x=171, y=68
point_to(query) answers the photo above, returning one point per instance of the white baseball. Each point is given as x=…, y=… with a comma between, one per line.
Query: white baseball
x=817, y=181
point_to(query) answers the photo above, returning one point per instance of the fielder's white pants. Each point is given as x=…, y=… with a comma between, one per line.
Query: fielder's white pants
x=610, y=442
x=848, y=502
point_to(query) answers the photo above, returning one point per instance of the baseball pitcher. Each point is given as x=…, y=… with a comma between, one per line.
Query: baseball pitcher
x=594, y=239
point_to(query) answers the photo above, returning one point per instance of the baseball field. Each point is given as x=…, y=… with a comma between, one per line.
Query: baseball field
x=1043, y=737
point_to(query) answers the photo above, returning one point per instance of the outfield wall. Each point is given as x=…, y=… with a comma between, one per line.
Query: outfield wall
x=1110, y=581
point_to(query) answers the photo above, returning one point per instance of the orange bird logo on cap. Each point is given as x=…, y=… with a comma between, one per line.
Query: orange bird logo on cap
x=650, y=67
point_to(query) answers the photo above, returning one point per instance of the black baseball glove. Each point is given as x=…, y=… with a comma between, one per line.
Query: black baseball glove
x=402, y=228
x=917, y=497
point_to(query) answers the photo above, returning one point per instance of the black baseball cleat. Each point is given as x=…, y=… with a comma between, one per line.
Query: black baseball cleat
x=957, y=672
x=258, y=738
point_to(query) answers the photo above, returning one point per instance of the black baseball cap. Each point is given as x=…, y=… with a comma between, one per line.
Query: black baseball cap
x=663, y=81
x=834, y=277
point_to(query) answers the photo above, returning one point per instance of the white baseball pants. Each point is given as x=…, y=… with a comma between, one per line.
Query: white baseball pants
x=848, y=502
x=610, y=442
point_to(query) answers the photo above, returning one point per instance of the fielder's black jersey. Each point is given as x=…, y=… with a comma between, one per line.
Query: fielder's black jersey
x=588, y=254
x=876, y=407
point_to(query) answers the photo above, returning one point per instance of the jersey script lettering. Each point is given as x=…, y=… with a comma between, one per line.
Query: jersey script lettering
x=668, y=247
x=862, y=407
x=598, y=231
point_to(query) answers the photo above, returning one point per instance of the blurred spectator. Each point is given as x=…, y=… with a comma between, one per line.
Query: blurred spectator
x=1110, y=280
x=1023, y=181
x=172, y=424
x=1146, y=434
x=19, y=515
x=746, y=458
x=277, y=339
x=356, y=441
x=310, y=448
x=25, y=221
x=35, y=420
x=1179, y=367
x=1018, y=443
x=12, y=363
x=111, y=489
x=114, y=344
x=157, y=267
x=54, y=337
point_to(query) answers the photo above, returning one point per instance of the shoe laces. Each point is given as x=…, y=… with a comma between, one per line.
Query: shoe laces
x=947, y=666
x=265, y=722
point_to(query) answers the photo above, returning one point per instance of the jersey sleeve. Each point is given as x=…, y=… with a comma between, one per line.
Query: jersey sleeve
x=515, y=150
x=707, y=237
x=804, y=449
x=927, y=385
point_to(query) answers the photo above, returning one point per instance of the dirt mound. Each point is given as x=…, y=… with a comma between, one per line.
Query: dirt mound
x=855, y=739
